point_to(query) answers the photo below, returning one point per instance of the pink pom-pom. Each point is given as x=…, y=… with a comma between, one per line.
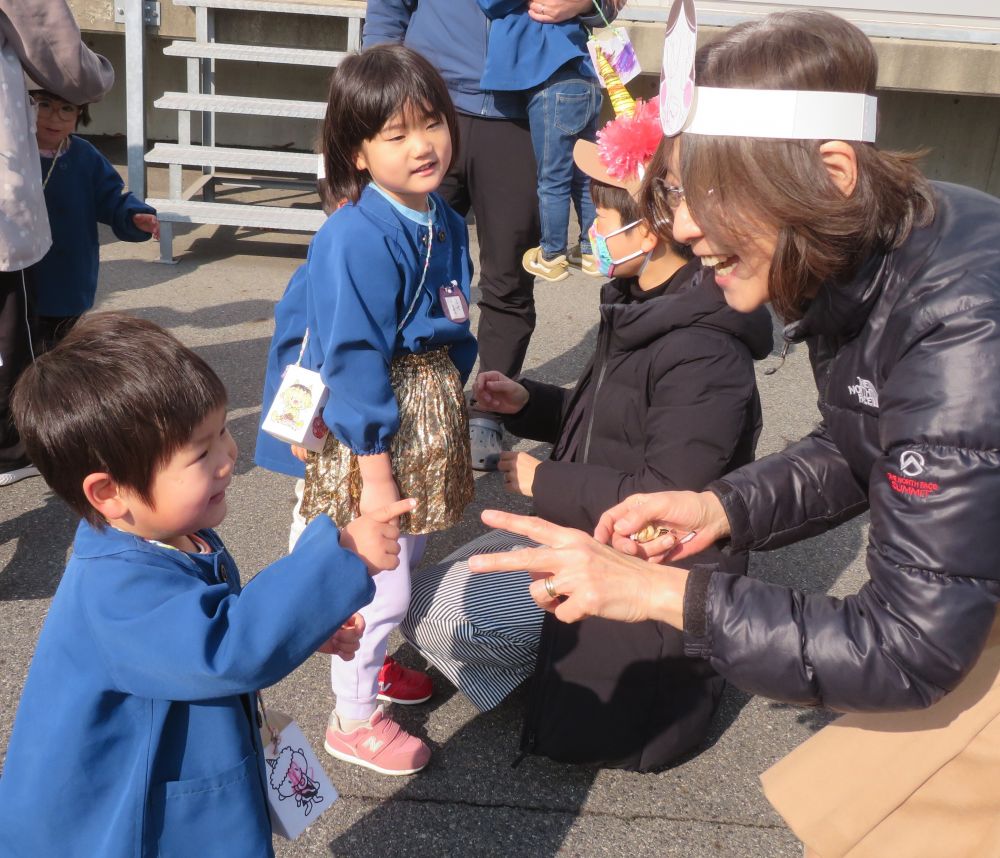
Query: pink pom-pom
x=628, y=142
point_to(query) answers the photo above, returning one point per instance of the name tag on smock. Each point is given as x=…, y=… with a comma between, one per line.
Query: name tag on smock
x=453, y=303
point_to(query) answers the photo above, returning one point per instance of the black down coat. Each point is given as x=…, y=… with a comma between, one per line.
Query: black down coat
x=907, y=365
x=669, y=401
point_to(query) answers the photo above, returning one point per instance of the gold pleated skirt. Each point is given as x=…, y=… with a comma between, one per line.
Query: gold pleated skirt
x=431, y=460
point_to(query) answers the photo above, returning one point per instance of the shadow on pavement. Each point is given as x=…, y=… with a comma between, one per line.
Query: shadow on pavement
x=44, y=535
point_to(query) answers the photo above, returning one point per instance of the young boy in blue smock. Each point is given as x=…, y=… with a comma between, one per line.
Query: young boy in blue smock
x=547, y=65
x=137, y=730
x=82, y=188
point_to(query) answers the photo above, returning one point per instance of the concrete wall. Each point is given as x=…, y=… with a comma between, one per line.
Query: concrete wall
x=961, y=130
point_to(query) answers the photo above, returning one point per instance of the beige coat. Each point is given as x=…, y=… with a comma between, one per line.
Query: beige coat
x=39, y=37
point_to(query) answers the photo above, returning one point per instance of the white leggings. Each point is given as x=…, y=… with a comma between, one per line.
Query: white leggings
x=355, y=682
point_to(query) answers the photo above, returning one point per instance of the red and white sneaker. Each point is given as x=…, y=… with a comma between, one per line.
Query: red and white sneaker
x=380, y=745
x=398, y=684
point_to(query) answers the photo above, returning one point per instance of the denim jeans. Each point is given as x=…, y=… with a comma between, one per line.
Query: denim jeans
x=561, y=111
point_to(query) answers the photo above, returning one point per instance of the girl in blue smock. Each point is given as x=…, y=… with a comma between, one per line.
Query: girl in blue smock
x=387, y=314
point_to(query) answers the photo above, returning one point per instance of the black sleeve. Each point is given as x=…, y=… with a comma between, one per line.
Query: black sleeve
x=541, y=419
x=698, y=412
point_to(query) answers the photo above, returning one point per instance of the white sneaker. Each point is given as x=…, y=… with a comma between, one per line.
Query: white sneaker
x=8, y=478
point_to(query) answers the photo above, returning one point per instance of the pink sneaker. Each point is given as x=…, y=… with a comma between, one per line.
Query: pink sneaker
x=381, y=745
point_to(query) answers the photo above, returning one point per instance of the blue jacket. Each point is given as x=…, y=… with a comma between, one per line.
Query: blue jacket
x=452, y=34
x=83, y=189
x=362, y=272
x=523, y=53
x=289, y=325
x=134, y=735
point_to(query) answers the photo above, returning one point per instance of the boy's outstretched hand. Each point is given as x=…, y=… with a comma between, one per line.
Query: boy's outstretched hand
x=147, y=223
x=345, y=641
x=374, y=537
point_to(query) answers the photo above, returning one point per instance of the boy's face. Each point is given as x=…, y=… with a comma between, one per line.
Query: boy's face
x=622, y=245
x=189, y=491
x=56, y=120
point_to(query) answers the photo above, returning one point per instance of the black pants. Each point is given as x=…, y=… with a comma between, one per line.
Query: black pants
x=15, y=354
x=49, y=330
x=494, y=175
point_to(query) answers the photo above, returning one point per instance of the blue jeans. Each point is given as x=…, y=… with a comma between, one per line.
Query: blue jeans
x=561, y=111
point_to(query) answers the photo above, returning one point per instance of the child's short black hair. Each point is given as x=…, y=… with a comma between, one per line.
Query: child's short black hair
x=82, y=118
x=366, y=91
x=118, y=395
x=616, y=199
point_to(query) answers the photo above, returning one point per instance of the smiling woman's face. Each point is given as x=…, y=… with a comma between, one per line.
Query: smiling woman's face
x=741, y=266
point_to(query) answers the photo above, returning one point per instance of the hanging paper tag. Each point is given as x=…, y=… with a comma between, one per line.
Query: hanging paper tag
x=296, y=415
x=298, y=790
x=677, y=72
x=615, y=44
x=453, y=303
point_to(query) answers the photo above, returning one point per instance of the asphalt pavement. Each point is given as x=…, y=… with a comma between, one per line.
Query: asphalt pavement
x=218, y=299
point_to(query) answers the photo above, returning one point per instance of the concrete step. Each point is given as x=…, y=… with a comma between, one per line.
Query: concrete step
x=235, y=214
x=254, y=54
x=263, y=160
x=242, y=105
x=337, y=9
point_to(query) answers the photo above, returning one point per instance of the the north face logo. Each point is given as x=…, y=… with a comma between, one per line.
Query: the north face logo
x=865, y=391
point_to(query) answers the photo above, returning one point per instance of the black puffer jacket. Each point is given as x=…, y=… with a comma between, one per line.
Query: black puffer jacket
x=669, y=400
x=907, y=365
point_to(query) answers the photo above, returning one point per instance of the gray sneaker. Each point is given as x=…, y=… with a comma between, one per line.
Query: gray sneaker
x=8, y=478
x=484, y=438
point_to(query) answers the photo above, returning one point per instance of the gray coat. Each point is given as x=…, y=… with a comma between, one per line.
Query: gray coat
x=41, y=38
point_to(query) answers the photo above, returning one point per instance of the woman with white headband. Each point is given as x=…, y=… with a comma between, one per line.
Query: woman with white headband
x=893, y=283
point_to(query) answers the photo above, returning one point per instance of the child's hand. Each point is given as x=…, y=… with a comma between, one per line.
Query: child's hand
x=377, y=494
x=493, y=391
x=345, y=641
x=300, y=453
x=518, y=471
x=374, y=537
x=147, y=223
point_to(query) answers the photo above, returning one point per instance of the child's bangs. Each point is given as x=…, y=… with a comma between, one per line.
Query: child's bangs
x=405, y=96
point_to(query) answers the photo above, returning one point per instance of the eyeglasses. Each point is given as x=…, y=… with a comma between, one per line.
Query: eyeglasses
x=57, y=108
x=675, y=195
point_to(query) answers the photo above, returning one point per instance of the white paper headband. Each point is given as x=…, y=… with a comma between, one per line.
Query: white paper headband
x=782, y=113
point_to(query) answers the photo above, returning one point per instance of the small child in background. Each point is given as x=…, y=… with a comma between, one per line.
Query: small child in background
x=82, y=188
x=546, y=66
x=386, y=312
x=137, y=730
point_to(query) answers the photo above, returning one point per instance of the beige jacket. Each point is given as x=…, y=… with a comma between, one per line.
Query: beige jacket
x=39, y=37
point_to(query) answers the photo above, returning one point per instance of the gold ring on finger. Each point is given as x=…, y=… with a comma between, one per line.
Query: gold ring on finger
x=550, y=587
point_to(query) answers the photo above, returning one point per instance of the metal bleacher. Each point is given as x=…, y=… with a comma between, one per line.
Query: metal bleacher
x=196, y=202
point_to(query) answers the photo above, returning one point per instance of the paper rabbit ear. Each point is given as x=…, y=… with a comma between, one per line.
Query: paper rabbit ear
x=677, y=70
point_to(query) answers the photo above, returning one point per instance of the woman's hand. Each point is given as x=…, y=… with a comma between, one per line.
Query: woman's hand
x=300, y=453
x=689, y=523
x=374, y=536
x=518, y=471
x=346, y=640
x=554, y=11
x=493, y=391
x=576, y=576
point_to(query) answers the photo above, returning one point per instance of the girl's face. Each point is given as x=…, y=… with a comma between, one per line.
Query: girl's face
x=409, y=157
x=741, y=266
